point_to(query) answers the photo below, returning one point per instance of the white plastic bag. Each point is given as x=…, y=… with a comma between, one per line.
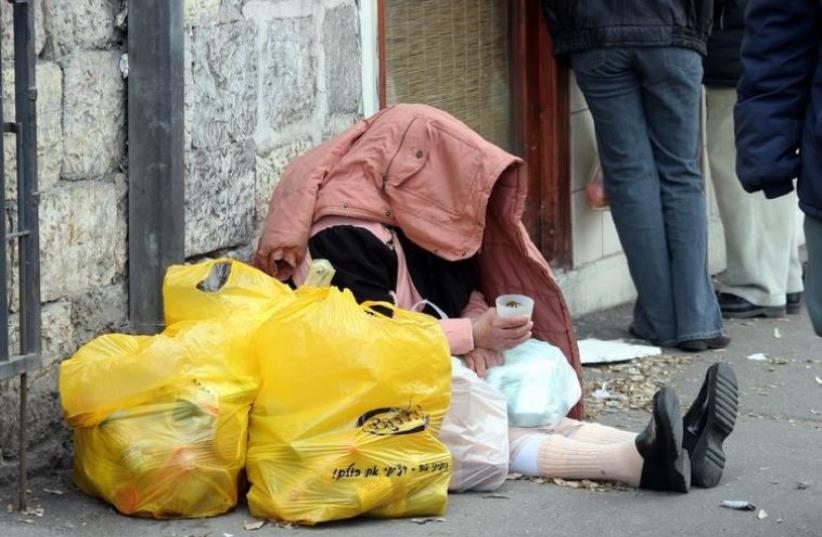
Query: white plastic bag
x=539, y=383
x=476, y=432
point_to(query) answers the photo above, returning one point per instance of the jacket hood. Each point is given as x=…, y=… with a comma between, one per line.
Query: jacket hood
x=450, y=191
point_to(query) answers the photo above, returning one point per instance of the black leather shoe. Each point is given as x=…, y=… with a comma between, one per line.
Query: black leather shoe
x=708, y=423
x=700, y=345
x=736, y=307
x=636, y=335
x=793, y=303
x=666, y=465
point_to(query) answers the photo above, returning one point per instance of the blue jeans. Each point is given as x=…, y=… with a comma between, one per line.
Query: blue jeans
x=645, y=103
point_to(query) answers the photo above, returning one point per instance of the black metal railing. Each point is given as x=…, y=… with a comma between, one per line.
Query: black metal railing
x=26, y=357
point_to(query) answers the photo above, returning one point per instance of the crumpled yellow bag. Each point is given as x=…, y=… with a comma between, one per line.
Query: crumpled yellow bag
x=161, y=422
x=221, y=289
x=348, y=412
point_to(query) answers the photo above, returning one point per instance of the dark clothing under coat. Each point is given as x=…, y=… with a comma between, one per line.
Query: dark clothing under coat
x=778, y=117
x=723, y=65
x=368, y=268
x=578, y=25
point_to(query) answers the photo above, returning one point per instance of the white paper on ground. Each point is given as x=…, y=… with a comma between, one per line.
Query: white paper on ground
x=597, y=351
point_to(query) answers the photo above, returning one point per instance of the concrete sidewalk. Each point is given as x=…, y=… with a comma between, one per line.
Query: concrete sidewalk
x=777, y=444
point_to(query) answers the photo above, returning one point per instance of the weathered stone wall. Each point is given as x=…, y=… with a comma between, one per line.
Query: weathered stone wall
x=265, y=80
x=82, y=165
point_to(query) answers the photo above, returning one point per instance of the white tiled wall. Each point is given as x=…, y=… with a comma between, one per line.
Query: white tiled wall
x=599, y=277
x=586, y=228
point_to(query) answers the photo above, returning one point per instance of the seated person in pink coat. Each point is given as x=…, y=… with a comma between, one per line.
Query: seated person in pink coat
x=377, y=203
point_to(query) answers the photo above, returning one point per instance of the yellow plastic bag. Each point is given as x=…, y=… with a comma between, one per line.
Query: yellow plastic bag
x=222, y=289
x=161, y=422
x=348, y=412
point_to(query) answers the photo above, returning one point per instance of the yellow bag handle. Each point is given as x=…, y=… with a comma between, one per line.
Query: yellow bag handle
x=369, y=306
x=399, y=314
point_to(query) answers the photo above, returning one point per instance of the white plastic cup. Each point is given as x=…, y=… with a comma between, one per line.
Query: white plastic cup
x=515, y=306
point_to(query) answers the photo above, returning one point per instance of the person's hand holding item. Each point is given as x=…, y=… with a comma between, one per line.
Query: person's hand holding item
x=495, y=333
x=481, y=360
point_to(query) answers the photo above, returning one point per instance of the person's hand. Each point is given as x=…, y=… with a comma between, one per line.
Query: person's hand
x=497, y=333
x=481, y=360
x=274, y=262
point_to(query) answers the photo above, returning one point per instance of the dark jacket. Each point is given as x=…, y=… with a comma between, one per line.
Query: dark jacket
x=723, y=67
x=778, y=116
x=578, y=25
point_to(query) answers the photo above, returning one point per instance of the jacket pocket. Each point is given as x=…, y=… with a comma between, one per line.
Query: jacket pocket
x=410, y=155
x=433, y=169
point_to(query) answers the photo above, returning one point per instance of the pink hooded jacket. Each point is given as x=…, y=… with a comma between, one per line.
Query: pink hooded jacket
x=449, y=190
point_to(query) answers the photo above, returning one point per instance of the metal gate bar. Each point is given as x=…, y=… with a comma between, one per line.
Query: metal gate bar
x=27, y=232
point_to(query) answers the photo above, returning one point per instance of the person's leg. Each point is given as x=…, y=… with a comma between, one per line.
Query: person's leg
x=585, y=431
x=813, y=275
x=760, y=234
x=571, y=459
x=547, y=454
x=653, y=459
x=671, y=89
x=612, y=90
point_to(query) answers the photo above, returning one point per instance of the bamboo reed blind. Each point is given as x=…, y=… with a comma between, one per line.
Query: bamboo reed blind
x=454, y=55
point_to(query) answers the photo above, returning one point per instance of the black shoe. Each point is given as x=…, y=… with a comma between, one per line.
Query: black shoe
x=708, y=423
x=793, y=303
x=666, y=465
x=700, y=345
x=736, y=307
x=636, y=335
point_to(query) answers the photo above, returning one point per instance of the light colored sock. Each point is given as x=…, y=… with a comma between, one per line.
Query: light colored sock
x=515, y=433
x=525, y=454
x=592, y=433
x=571, y=459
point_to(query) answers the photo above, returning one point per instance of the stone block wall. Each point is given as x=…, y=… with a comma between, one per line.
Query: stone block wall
x=83, y=185
x=265, y=80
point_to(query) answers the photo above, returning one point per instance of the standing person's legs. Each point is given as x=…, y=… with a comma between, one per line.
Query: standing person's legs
x=671, y=89
x=760, y=234
x=813, y=276
x=612, y=90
